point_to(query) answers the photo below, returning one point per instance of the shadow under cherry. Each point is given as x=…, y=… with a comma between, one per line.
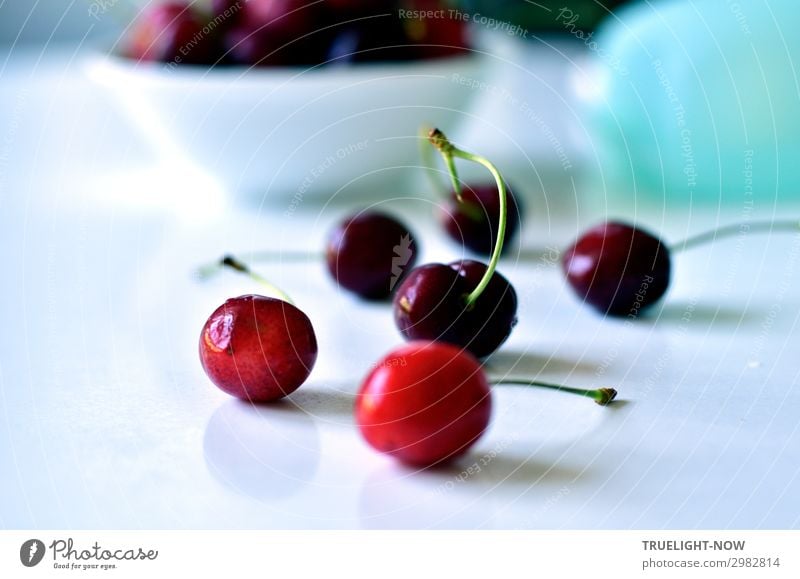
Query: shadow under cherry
x=266, y=452
x=532, y=365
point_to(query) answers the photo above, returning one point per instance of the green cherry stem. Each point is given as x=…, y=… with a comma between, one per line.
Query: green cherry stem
x=471, y=210
x=426, y=154
x=209, y=270
x=449, y=153
x=236, y=265
x=744, y=228
x=602, y=396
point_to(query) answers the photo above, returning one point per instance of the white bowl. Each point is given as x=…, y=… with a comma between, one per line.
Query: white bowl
x=291, y=133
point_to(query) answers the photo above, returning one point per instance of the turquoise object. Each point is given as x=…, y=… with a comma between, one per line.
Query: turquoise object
x=697, y=101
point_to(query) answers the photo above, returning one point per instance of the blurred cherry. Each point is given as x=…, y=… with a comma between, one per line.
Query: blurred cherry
x=617, y=268
x=369, y=253
x=172, y=32
x=474, y=220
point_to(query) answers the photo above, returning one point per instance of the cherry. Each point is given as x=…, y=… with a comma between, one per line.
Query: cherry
x=435, y=38
x=226, y=13
x=493, y=315
x=474, y=219
x=246, y=46
x=374, y=31
x=258, y=348
x=431, y=304
x=285, y=18
x=357, y=7
x=171, y=32
x=471, y=305
x=378, y=38
x=424, y=403
x=617, y=268
x=428, y=402
x=620, y=269
x=277, y=32
x=369, y=253
x=471, y=213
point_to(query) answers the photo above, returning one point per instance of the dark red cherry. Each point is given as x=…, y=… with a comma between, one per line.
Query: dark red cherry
x=277, y=32
x=226, y=13
x=171, y=32
x=358, y=7
x=380, y=37
x=617, y=268
x=244, y=45
x=435, y=37
x=431, y=304
x=286, y=18
x=424, y=403
x=258, y=348
x=370, y=253
x=474, y=222
x=493, y=315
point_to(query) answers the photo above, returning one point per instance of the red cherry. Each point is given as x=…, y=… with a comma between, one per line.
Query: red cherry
x=369, y=253
x=617, y=268
x=474, y=221
x=258, y=348
x=356, y=7
x=379, y=38
x=424, y=403
x=171, y=32
x=277, y=32
x=431, y=304
x=226, y=12
x=493, y=315
x=290, y=17
x=435, y=37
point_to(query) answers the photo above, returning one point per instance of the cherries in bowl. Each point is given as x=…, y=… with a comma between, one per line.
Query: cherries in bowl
x=293, y=131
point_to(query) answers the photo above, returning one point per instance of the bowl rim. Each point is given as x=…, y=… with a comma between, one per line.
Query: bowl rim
x=160, y=71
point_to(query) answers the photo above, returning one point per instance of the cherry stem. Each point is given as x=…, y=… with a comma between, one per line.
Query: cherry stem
x=236, y=265
x=427, y=162
x=602, y=396
x=211, y=269
x=743, y=228
x=449, y=152
x=471, y=210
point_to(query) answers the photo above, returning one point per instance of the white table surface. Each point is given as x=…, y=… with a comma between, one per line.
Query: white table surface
x=108, y=421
